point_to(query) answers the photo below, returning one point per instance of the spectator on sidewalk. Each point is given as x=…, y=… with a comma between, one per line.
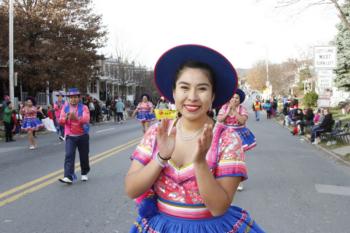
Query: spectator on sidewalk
x=307, y=120
x=268, y=108
x=318, y=116
x=75, y=117
x=113, y=109
x=325, y=126
x=297, y=117
x=120, y=108
x=8, y=121
x=98, y=110
x=92, y=110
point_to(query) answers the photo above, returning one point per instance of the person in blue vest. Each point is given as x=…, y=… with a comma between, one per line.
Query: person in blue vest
x=75, y=117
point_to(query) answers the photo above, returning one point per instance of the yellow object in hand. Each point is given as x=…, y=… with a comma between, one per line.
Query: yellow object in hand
x=165, y=114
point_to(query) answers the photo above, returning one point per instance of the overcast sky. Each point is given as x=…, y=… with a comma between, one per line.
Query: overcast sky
x=245, y=31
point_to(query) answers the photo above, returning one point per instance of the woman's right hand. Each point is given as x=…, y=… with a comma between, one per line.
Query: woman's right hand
x=166, y=143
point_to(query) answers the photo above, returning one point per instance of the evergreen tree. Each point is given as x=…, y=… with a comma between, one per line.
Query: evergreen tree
x=343, y=52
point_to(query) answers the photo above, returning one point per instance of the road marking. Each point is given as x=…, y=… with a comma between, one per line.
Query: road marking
x=105, y=130
x=333, y=189
x=52, y=177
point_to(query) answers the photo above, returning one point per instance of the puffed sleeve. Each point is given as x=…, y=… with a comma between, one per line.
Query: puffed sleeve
x=144, y=151
x=222, y=110
x=243, y=111
x=230, y=156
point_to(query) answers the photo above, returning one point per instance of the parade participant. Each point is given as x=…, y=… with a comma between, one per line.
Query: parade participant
x=184, y=173
x=234, y=114
x=58, y=105
x=257, y=107
x=8, y=121
x=144, y=112
x=75, y=117
x=31, y=123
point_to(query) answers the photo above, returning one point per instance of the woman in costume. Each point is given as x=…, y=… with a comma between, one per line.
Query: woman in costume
x=234, y=114
x=184, y=173
x=144, y=112
x=31, y=123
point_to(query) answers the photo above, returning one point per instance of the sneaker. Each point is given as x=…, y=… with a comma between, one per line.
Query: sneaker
x=61, y=138
x=65, y=180
x=31, y=147
x=240, y=187
x=84, y=178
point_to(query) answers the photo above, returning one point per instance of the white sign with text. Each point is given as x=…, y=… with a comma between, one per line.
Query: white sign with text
x=325, y=57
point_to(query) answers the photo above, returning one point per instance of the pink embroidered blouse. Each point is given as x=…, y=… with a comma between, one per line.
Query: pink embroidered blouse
x=232, y=120
x=74, y=127
x=144, y=106
x=177, y=189
x=29, y=112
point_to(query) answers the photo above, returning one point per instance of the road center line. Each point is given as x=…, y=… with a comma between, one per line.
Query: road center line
x=55, y=175
x=105, y=130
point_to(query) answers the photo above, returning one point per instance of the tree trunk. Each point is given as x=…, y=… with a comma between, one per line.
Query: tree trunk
x=341, y=15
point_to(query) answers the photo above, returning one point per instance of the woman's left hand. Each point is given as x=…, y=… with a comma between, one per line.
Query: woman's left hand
x=203, y=144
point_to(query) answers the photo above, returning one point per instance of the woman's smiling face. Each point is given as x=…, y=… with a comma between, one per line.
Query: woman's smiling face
x=235, y=100
x=193, y=93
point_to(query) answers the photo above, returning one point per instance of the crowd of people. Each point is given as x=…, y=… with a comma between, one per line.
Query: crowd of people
x=313, y=121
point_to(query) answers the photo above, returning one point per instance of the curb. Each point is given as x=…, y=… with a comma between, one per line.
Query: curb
x=331, y=153
x=336, y=156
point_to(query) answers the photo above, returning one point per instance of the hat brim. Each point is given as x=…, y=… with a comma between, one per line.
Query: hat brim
x=169, y=63
x=73, y=94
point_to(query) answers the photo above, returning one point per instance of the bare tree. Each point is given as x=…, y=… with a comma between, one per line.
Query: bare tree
x=310, y=3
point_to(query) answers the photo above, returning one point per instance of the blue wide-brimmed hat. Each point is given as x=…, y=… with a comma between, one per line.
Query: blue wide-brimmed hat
x=169, y=63
x=72, y=91
x=241, y=95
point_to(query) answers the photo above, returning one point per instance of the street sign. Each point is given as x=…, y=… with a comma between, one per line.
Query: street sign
x=325, y=79
x=325, y=57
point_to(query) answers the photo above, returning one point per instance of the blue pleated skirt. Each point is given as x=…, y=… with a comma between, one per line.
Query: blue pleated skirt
x=31, y=124
x=145, y=116
x=247, y=137
x=235, y=220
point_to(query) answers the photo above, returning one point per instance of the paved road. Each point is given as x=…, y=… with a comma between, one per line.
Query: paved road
x=292, y=186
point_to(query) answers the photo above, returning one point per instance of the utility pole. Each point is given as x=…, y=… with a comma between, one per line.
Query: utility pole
x=11, y=84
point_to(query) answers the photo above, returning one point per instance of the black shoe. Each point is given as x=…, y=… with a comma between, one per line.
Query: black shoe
x=12, y=140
